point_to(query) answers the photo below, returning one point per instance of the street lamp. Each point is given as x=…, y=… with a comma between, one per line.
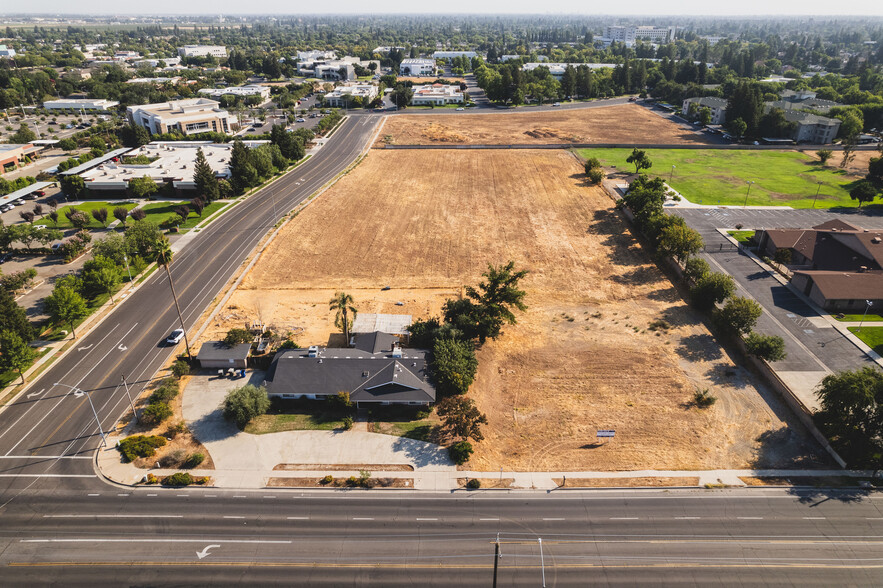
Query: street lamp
x=94, y=412
x=672, y=174
x=749, y=182
x=817, y=193
x=126, y=260
x=869, y=305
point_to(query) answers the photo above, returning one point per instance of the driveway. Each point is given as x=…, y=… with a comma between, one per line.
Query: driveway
x=253, y=457
x=814, y=348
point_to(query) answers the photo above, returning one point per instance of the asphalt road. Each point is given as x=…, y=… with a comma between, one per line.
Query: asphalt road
x=44, y=431
x=152, y=536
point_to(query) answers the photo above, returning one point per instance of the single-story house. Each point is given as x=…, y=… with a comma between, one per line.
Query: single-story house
x=842, y=291
x=217, y=355
x=376, y=372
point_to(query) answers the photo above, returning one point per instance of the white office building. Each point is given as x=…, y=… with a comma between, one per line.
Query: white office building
x=343, y=95
x=250, y=90
x=80, y=104
x=203, y=51
x=437, y=95
x=417, y=67
x=316, y=55
x=190, y=116
x=7, y=51
x=453, y=54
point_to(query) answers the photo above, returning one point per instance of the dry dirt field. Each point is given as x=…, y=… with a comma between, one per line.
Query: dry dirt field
x=581, y=357
x=624, y=123
x=859, y=164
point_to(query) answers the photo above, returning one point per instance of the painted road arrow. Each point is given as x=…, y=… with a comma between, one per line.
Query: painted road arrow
x=122, y=347
x=32, y=394
x=85, y=348
x=204, y=552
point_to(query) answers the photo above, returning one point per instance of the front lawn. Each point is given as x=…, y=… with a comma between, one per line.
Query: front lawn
x=297, y=415
x=718, y=176
x=86, y=208
x=871, y=336
x=741, y=236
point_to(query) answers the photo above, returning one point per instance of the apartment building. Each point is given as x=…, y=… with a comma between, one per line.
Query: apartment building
x=190, y=116
x=717, y=106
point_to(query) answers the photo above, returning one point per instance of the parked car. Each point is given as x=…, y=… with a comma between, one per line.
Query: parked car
x=556, y=104
x=300, y=120
x=175, y=337
x=461, y=108
x=40, y=193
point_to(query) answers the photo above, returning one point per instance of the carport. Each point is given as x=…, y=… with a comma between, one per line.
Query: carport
x=18, y=194
x=217, y=355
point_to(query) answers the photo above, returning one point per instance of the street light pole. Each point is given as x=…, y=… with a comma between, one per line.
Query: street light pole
x=672, y=174
x=94, y=412
x=817, y=194
x=745, y=204
x=126, y=259
x=126, y=385
x=869, y=305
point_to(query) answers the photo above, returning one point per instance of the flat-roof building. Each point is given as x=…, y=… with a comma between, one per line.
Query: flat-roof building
x=190, y=116
x=316, y=55
x=203, y=51
x=437, y=95
x=344, y=95
x=417, y=67
x=80, y=104
x=249, y=90
x=7, y=51
x=453, y=54
x=13, y=154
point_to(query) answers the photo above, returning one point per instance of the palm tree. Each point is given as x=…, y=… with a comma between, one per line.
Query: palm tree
x=164, y=258
x=343, y=304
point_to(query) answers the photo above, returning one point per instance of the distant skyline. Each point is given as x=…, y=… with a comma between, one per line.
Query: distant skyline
x=746, y=8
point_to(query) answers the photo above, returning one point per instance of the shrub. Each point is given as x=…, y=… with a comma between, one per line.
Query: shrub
x=289, y=344
x=244, y=403
x=352, y=481
x=696, y=268
x=711, y=289
x=659, y=325
x=194, y=460
x=179, y=479
x=237, y=336
x=348, y=423
x=327, y=480
x=702, y=398
x=151, y=479
x=460, y=451
x=166, y=391
x=176, y=429
x=592, y=163
x=473, y=484
x=766, y=347
x=341, y=401
x=156, y=413
x=140, y=446
x=596, y=175
x=180, y=368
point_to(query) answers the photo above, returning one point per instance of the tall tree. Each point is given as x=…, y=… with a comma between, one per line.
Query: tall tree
x=863, y=191
x=204, y=178
x=343, y=304
x=65, y=305
x=15, y=354
x=462, y=418
x=640, y=160
x=164, y=258
x=679, y=241
x=242, y=173
x=852, y=411
x=13, y=317
x=142, y=187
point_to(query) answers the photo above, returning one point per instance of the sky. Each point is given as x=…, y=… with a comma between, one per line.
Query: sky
x=633, y=7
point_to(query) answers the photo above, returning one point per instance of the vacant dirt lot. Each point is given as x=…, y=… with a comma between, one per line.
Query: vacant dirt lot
x=580, y=359
x=624, y=123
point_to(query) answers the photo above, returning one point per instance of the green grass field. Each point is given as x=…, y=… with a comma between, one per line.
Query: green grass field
x=716, y=176
x=872, y=337
x=741, y=236
x=854, y=318
x=159, y=212
x=87, y=208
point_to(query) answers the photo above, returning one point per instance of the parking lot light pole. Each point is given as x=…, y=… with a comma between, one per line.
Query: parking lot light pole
x=94, y=412
x=819, y=189
x=672, y=174
x=868, y=304
x=745, y=204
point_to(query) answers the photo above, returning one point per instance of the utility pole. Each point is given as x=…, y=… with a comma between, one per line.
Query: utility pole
x=817, y=194
x=177, y=306
x=94, y=412
x=126, y=385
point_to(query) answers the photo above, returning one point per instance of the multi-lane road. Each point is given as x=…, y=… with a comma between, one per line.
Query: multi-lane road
x=60, y=523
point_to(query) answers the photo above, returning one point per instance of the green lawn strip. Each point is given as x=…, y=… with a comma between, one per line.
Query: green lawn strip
x=854, y=318
x=86, y=208
x=274, y=423
x=55, y=332
x=871, y=336
x=159, y=212
x=420, y=430
x=718, y=176
x=741, y=236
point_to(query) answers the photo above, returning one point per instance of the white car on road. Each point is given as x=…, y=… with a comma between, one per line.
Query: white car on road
x=175, y=337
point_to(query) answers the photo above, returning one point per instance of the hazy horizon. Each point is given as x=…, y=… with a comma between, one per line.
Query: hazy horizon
x=688, y=8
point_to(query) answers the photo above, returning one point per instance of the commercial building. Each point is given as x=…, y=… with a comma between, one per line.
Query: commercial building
x=7, y=51
x=203, y=51
x=557, y=69
x=126, y=56
x=452, y=54
x=154, y=62
x=417, y=67
x=316, y=56
x=97, y=104
x=330, y=69
x=655, y=34
x=190, y=116
x=250, y=90
x=387, y=49
x=344, y=95
x=157, y=81
x=802, y=100
x=836, y=264
x=170, y=162
x=12, y=154
x=437, y=95
x=376, y=372
x=717, y=106
x=628, y=35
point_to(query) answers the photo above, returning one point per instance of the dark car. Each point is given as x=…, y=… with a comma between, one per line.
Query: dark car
x=5, y=257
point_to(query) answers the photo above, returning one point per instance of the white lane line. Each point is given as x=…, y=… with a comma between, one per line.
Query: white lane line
x=122, y=494
x=113, y=516
x=488, y=519
x=182, y=495
x=45, y=457
x=269, y=497
x=874, y=518
x=750, y=518
x=298, y=518
x=211, y=495
x=48, y=476
x=90, y=540
x=419, y=519
x=233, y=517
x=151, y=494
x=93, y=494
x=687, y=518
x=814, y=518
x=623, y=518
x=553, y=519
x=363, y=519
x=239, y=497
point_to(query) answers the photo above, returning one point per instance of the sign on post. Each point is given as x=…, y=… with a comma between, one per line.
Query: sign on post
x=606, y=433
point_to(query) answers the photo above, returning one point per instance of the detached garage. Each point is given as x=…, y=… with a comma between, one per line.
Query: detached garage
x=216, y=355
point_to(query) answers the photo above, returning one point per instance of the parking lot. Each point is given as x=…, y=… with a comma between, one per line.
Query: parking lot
x=47, y=126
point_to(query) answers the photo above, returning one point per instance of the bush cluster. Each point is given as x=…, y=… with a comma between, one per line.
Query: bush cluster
x=140, y=446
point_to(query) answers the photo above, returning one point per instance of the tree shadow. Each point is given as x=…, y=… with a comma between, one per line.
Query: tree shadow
x=817, y=496
x=421, y=454
x=665, y=295
x=788, y=447
x=726, y=375
x=700, y=347
x=638, y=275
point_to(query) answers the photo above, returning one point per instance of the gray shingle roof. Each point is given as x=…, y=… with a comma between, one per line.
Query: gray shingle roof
x=214, y=350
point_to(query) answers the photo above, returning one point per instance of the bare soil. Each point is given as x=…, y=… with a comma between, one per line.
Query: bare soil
x=488, y=482
x=859, y=164
x=581, y=358
x=623, y=123
x=626, y=482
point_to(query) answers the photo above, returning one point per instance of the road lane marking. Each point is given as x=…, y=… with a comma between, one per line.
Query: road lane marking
x=814, y=518
x=48, y=476
x=239, y=497
x=488, y=519
x=687, y=518
x=90, y=540
x=363, y=519
x=113, y=516
x=94, y=494
x=151, y=494
x=750, y=518
x=623, y=518
x=122, y=494
x=553, y=519
x=298, y=518
x=420, y=519
x=233, y=517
